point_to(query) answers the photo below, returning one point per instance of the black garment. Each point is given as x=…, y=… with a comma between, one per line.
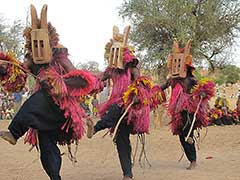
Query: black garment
x=50, y=154
x=110, y=118
x=124, y=149
x=38, y=112
x=189, y=149
x=41, y=113
x=227, y=120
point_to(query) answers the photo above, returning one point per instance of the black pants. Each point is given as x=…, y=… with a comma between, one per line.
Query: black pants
x=189, y=149
x=124, y=149
x=50, y=154
x=40, y=112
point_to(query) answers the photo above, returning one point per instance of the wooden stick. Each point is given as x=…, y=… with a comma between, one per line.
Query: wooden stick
x=194, y=119
x=26, y=71
x=120, y=120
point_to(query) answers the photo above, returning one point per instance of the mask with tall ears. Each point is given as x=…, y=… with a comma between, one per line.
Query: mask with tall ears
x=117, y=45
x=179, y=60
x=40, y=43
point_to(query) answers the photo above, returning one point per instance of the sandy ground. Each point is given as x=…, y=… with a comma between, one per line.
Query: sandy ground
x=97, y=158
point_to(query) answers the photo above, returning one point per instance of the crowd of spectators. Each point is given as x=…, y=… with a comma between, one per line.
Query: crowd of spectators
x=221, y=114
x=6, y=105
x=10, y=103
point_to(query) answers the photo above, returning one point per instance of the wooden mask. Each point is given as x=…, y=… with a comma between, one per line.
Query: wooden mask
x=178, y=59
x=41, y=50
x=118, y=43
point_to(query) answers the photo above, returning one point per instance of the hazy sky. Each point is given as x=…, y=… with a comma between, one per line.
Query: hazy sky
x=84, y=26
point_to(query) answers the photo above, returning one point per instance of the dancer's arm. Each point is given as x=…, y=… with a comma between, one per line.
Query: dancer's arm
x=106, y=75
x=135, y=72
x=166, y=84
x=77, y=82
x=73, y=81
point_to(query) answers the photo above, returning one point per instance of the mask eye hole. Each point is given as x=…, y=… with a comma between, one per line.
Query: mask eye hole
x=35, y=43
x=41, y=44
x=179, y=61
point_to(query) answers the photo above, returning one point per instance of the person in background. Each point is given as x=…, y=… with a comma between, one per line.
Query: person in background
x=17, y=101
x=94, y=105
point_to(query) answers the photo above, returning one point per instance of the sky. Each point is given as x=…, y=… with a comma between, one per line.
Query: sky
x=84, y=26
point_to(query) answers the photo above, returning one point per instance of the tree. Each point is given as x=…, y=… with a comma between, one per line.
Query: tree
x=232, y=74
x=91, y=66
x=15, y=39
x=3, y=33
x=11, y=38
x=228, y=74
x=212, y=25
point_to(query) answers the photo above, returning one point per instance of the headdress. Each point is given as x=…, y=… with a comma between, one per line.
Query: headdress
x=179, y=60
x=41, y=37
x=117, y=51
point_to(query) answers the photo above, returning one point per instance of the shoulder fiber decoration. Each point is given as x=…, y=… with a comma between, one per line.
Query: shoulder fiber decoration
x=205, y=86
x=134, y=89
x=15, y=78
x=148, y=96
x=203, y=92
x=91, y=80
x=157, y=96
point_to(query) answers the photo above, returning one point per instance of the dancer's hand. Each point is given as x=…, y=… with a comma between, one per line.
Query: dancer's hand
x=135, y=99
x=3, y=68
x=203, y=95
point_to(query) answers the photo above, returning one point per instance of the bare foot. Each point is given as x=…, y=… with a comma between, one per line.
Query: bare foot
x=192, y=165
x=90, y=128
x=7, y=136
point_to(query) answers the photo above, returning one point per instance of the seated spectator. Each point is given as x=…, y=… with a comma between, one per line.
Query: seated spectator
x=9, y=113
x=236, y=112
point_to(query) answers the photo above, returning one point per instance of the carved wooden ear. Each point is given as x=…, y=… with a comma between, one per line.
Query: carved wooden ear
x=187, y=47
x=115, y=31
x=34, y=17
x=175, y=46
x=125, y=35
x=44, y=24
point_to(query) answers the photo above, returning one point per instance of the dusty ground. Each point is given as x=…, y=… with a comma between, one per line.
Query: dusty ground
x=97, y=158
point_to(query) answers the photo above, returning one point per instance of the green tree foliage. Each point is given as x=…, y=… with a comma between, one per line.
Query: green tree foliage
x=11, y=38
x=91, y=66
x=212, y=25
x=229, y=74
x=3, y=33
x=232, y=73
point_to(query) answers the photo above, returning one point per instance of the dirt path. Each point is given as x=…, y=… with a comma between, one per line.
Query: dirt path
x=97, y=158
